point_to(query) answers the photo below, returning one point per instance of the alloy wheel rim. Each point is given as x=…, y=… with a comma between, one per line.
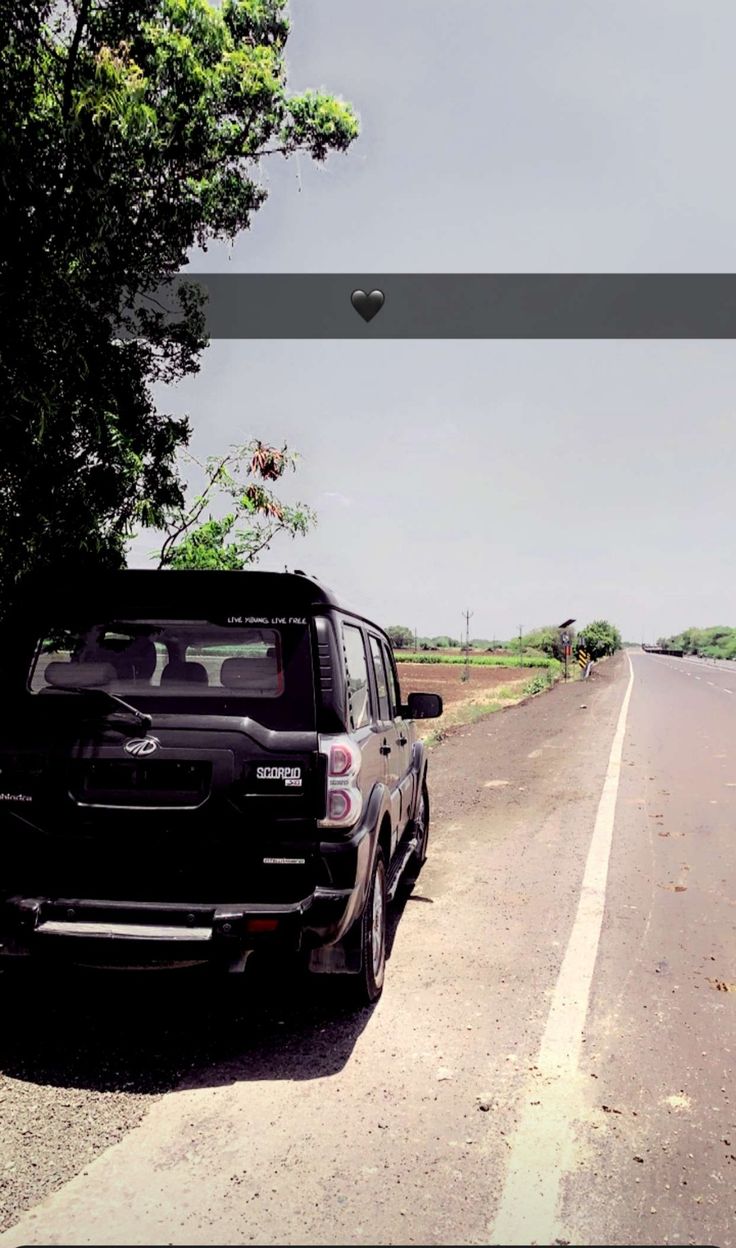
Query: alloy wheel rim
x=377, y=925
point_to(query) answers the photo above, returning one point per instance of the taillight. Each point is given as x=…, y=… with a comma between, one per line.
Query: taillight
x=341, y=760
x=344, y=798
x=338, y=804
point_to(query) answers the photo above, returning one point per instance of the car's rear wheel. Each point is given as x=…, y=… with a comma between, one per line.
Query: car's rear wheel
x=421, y=833
x=366, y=987
x=421, y=828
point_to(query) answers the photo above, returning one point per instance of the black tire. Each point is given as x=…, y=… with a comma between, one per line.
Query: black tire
x=366, y=987
x=421, y=831
x=421, y=828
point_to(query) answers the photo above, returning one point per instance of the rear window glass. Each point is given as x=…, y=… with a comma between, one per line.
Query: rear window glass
x=357, y=674
x=173, y=659
x=381, y=685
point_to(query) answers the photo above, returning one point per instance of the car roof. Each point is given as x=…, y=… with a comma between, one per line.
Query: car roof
x=156, y=591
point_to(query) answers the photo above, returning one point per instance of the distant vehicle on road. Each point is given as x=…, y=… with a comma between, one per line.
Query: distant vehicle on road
x=199, y=765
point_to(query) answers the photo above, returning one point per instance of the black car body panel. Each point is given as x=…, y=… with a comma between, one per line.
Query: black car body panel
x=220, y=827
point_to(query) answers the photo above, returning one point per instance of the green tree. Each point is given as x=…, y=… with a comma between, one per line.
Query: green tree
x=232, y=541
x=131, y=133
x=716, y=642
x=401, y=637
x=599, y=639
x=548, y=640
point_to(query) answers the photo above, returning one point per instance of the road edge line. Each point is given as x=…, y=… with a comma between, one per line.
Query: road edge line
x=543, y=1146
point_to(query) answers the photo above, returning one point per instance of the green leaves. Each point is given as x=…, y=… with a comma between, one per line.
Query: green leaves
x=716, y=642
x=598, y=639
x=318, y=123
x=193, y=543
x=400, y=636
x=131, y=133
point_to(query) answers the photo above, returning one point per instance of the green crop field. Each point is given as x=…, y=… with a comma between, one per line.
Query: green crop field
x=478, y=660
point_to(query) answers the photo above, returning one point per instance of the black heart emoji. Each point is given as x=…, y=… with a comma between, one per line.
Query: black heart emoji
x=367, y=305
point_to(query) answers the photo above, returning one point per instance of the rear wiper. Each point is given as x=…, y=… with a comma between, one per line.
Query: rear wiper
x=139, y=717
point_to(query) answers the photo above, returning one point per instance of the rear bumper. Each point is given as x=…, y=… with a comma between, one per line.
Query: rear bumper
x=139, y=934
x=135, y=933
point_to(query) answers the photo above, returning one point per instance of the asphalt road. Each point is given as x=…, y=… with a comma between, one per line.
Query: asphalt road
x=552, y=1059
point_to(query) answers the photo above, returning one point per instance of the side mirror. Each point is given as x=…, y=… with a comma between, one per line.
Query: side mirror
x=424, y=706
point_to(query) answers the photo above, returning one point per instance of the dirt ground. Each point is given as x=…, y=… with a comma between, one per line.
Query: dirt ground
x=446, y=679
x=487, y=689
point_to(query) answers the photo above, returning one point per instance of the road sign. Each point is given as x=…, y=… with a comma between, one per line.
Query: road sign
x=583, y=658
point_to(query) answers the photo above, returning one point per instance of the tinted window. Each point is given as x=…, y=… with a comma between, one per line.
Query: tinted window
x=203, y=662
x=163, y=656
x=384, y=711
x=393, y=684
x=357, y=675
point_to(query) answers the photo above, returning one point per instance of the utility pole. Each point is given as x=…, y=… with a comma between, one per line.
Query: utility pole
x=467, y=615
x=565, y=640
x=520, y=646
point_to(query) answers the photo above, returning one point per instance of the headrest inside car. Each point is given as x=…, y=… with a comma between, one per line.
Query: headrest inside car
x=251, y=674
x=184, y=673
x=84, y=675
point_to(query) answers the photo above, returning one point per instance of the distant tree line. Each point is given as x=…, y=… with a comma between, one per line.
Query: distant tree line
x=718, y=642
x=598, y=639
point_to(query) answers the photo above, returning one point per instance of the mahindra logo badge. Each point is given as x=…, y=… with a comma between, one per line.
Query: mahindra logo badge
x=140, y=746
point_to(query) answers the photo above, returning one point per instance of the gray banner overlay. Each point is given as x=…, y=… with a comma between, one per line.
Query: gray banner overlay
x=421, y=305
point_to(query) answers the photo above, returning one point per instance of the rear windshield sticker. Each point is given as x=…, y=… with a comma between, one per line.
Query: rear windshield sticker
x=265, y=619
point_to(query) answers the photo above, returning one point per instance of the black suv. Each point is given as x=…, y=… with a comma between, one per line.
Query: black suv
x=196, y=765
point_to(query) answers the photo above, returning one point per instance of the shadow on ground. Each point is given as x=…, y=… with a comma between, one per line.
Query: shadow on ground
x=147, y=1032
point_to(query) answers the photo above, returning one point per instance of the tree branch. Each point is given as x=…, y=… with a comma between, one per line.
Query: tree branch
x=71, y=63
x=192, y=515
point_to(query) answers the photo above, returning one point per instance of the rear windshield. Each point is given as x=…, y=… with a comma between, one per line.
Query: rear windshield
x=171, y=664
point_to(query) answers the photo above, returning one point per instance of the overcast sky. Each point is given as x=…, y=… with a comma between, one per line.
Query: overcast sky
x=525, y=481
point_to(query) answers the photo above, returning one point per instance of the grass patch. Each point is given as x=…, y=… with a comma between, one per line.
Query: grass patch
x=470, y=710
x=480, y=660
x=537, y=684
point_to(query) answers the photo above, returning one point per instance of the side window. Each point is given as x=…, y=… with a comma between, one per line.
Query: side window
x=357, y=672
x=394, y=692
x=384, y=711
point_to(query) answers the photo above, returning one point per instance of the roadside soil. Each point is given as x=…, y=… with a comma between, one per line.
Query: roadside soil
x=487, y=689
x=446, y=679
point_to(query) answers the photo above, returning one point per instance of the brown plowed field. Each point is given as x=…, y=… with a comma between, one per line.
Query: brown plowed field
x=446, y=679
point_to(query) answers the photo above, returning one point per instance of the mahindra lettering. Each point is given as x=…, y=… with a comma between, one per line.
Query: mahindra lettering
x=195, y=766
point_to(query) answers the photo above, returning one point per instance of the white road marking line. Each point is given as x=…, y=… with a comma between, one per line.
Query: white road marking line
x=543, y=1146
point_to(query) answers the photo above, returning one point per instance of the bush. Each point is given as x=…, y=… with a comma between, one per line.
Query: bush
x=537, y=685
x=717, y=642
x=598, y=639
